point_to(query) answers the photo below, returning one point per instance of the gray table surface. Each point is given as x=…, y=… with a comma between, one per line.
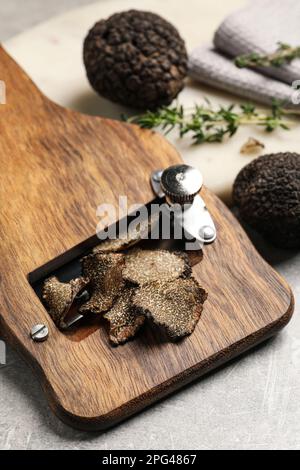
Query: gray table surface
x=251, y=403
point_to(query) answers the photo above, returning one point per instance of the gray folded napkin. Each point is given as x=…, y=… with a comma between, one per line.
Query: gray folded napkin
x=256, y=28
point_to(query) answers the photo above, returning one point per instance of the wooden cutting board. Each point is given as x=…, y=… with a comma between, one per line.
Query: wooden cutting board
x=56, y=167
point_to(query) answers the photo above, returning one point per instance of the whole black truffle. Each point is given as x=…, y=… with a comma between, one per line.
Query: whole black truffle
x=136, y=58
x=267, y=193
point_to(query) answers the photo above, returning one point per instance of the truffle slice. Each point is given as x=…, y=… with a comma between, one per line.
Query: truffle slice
x=58, y=297
x=136, y=58
x=104, y=270
x=176, y=306
x=124, y=321
x=267, y=194
x=115, y=245
x=146, y=266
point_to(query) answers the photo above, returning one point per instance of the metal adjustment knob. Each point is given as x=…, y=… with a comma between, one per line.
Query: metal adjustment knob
x=181, y=183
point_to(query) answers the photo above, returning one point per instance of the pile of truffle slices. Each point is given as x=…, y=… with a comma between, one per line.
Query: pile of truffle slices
x=128, y=288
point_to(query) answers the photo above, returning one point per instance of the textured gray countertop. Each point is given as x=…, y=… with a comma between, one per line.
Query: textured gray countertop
x=251, y=403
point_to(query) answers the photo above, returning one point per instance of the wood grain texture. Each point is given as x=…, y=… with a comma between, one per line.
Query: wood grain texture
x=56, y=167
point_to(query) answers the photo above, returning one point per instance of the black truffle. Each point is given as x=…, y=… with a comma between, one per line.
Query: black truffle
x=267, y=194
x=136, y=58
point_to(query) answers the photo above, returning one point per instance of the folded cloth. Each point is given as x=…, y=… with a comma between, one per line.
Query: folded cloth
x=258, y=28
x=211, y=68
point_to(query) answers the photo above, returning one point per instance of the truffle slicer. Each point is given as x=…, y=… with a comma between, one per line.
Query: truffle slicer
x=57, y=166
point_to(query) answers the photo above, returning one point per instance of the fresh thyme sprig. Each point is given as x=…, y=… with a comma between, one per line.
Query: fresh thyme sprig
x=204, y=123
x=285, y=54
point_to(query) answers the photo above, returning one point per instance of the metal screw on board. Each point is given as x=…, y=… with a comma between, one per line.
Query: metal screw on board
x=39, y=333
